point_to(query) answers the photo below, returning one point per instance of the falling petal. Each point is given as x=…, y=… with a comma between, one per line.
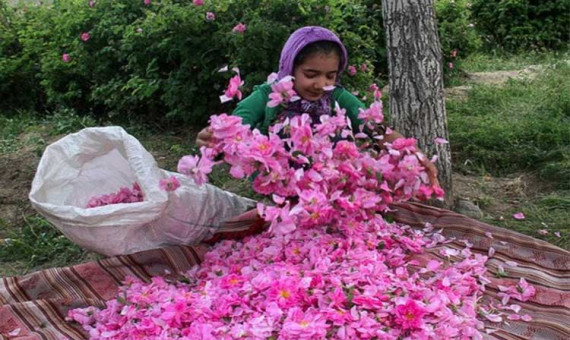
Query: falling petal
x=225, y=99
x=542, y=231
x=491, y=252
x=511, y=263
x=488, y=234
x=223, y=69
x=557, y=233
x=440, y=140
x=272, y=78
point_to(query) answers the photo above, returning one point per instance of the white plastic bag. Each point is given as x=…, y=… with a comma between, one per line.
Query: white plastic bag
x=99, y=161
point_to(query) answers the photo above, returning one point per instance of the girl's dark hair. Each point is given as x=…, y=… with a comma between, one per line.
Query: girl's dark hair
x=321, y=46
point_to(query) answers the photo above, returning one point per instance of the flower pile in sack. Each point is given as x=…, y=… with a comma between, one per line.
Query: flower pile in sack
x=330, y=266
x=124, y=195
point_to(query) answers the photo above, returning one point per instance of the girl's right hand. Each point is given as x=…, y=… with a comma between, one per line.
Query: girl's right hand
x=205, y=138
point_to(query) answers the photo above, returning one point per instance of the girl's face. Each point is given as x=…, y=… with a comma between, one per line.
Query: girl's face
x=316, y=72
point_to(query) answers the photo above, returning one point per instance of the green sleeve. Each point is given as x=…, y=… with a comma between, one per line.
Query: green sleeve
x=252, y=108
x=348, y=101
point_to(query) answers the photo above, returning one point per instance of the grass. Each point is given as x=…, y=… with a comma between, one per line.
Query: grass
x=501, y=61
x=549, y=212
x=36, y=245
x=520, y=126
x=12, y=127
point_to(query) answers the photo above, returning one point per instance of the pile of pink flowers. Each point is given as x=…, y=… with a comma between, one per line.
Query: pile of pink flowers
x=330, y=266
x=310, y=284
x=124, y=195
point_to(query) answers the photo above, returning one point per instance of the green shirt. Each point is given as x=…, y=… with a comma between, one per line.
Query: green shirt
x=254, y=110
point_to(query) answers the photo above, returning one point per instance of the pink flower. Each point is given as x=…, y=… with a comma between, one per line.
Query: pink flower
x=198, y=2
x=147, y=2
x=233, y=89
x=522, y=291
x=210, y=16
x=91, y=3
x=363, y=67
x=352, y=70
x=304, y=325
x=454, y=53
x=450, y=65
x=239, y=28
x=124, y=195
x=225, y=126
x=376, y=91
x=196, y=167
x=169, y=184
x=409, y=315
x=65, y=57
x=282, y=92
x=85, y=36
x=518, y=216
x=373, y=113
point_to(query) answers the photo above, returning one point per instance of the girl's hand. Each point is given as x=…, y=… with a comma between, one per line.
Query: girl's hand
x=205, y=138
x=430, y=168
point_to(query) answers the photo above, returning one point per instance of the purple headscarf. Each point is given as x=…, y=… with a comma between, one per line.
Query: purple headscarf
x=301, y=38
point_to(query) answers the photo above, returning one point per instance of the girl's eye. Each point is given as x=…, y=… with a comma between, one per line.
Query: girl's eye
x=310, y=75
x=331, y=76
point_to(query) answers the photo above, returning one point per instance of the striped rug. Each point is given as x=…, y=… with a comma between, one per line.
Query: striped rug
x=34, y=306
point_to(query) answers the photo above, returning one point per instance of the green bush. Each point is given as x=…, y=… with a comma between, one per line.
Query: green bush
x=19, y=88
x=523, y=125
x=457, y=33
x=519, y=25
x=160, y=62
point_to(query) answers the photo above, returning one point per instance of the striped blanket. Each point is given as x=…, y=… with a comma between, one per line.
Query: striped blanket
x=34, y=306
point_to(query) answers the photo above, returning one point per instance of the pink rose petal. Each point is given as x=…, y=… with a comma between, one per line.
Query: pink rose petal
x=518, y=216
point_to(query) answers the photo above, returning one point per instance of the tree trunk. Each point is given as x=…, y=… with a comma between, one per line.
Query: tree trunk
x=417, y=103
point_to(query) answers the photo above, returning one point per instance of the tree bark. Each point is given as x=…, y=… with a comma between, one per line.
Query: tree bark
x=417, y=103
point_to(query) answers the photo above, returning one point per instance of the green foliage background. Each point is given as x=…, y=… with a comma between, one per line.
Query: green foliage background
x=160, y=62
x=523, y=25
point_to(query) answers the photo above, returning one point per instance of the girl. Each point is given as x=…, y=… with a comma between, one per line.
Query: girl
x=315, y=57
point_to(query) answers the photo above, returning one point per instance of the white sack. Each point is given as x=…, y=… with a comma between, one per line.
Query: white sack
x=98, y=161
